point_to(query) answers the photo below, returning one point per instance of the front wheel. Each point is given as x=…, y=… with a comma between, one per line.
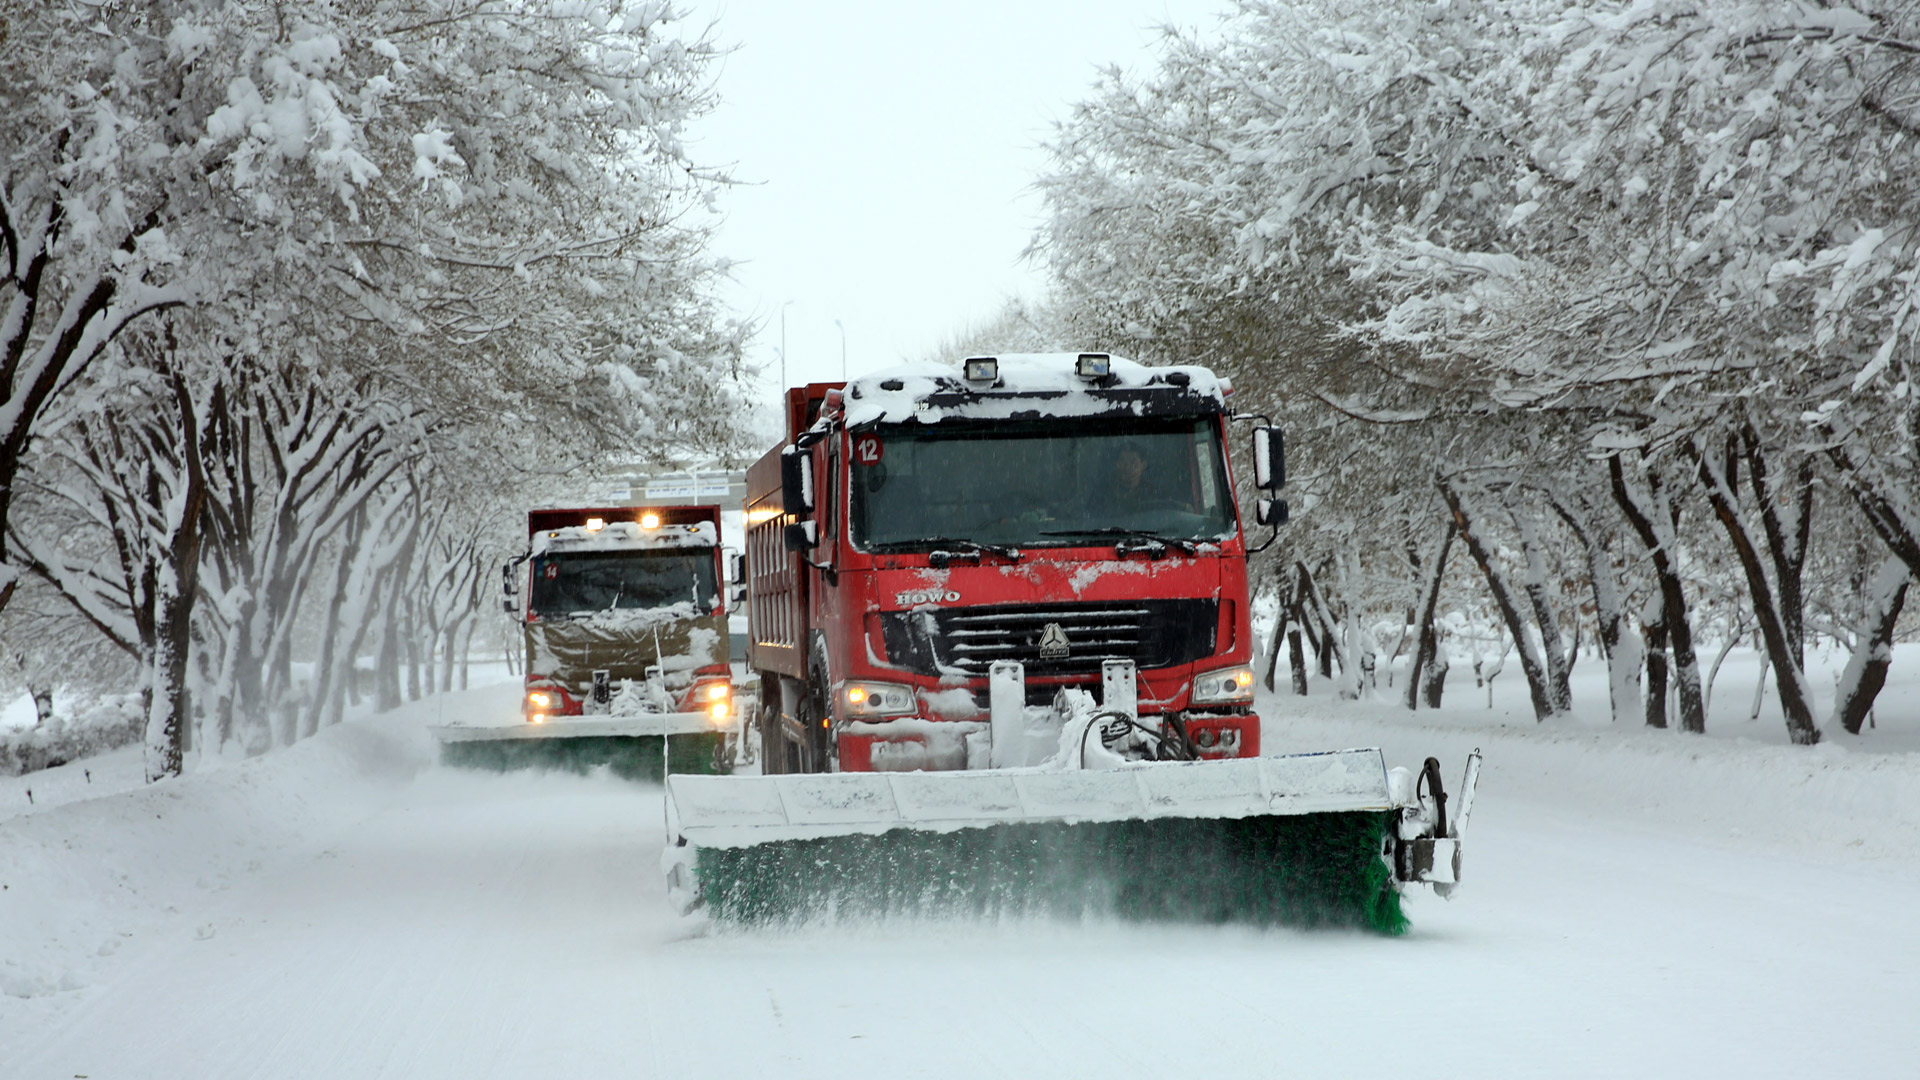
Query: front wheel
x=773, y=739
x=818, y=718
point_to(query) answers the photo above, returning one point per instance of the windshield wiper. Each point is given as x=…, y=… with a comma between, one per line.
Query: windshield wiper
x=1148, y=535
x=971, y=547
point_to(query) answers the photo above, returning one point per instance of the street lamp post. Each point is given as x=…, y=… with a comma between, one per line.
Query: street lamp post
x=783, y=346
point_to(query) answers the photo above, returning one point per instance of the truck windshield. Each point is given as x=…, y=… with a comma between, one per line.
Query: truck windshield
x=585, y=582
x=1037, y=483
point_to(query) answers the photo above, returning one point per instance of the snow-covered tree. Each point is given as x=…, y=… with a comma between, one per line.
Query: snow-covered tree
x=402, y=236
x=1663, y=251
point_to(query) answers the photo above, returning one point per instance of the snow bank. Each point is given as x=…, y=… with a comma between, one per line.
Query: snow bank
x=91, y=727
x=1830, y=801
x=77, y=881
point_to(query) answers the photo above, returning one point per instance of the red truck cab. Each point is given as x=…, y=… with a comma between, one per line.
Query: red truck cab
x=922, y=528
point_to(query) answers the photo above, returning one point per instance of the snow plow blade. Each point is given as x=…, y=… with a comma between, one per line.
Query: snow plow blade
x=630, y=746
x=1307, y=840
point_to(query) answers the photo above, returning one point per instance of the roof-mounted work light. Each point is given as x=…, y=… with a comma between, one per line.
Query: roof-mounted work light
x=596, y=524
x=1093, y=365
x=982, y=369
x=649, y=521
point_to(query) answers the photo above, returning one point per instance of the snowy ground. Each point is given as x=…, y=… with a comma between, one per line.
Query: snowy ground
x=1638, y=904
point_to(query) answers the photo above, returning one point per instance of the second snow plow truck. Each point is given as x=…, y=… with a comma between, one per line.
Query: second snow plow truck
x=1000, y=617
x=626, y=647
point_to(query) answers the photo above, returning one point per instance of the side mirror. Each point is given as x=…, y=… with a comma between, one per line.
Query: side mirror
x=1270, y=512
x=801, y=536
x=736, y=568
x=796, y=482
x=509, y=581
x=1269, y=461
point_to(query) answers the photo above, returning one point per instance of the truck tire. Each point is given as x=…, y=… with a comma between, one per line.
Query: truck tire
x=773, y=739
x=806, y=751
x=820, y=743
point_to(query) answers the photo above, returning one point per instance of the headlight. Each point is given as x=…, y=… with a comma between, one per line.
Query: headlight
x=718, y=712
x=867, y=699
x=718, y=691
x=1227, y=686
x=542, y=699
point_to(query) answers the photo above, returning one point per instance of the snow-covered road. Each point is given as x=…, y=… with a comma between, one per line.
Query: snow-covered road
x=471, y=926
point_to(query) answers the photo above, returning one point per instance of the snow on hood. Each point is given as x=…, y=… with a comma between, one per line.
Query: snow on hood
x=624, y=536
x=1031, y=384
x=638, y=620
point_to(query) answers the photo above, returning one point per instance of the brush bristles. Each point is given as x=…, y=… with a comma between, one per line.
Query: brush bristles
x=1312, y=870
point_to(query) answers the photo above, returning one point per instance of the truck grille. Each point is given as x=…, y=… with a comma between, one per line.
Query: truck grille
x=1151, y=633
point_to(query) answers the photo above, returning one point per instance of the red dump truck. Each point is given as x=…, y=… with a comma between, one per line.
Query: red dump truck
x=930, y=545
x=999, y=615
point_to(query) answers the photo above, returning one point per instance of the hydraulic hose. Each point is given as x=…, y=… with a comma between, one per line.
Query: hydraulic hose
x=1169, y=750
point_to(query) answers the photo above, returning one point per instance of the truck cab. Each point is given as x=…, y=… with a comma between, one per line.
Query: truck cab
x=928, y=538
x=622, y=600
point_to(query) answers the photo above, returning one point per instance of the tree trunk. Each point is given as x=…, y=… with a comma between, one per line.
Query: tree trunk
x=1866, y=672
x=1559, y=658
x=1503, y=599
x=167, y=698
x=1619, y=644
x=386, y=669
x=1759, y=687
x=326, y=666
x=1795, y=698
x=1279, y=634
x=452, y=637
x=1433, y=678
x=1327, y=641
x=1787, y=535
x=1425, y=651
x=1298, y=659
x=1655, y=529
x=1353, y=658
x=413, y=653
x=1656, y=634
x=175, y=587
x=466, y=649
x=1883, y=502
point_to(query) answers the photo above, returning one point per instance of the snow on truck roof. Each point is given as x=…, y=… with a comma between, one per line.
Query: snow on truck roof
x=1032, y=385
x=624, y=536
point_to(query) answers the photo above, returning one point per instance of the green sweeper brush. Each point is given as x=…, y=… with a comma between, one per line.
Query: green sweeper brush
x=1312, y=840
x=631, y=747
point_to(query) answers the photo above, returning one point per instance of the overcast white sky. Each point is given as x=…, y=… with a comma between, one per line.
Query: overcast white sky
x=888, y=149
